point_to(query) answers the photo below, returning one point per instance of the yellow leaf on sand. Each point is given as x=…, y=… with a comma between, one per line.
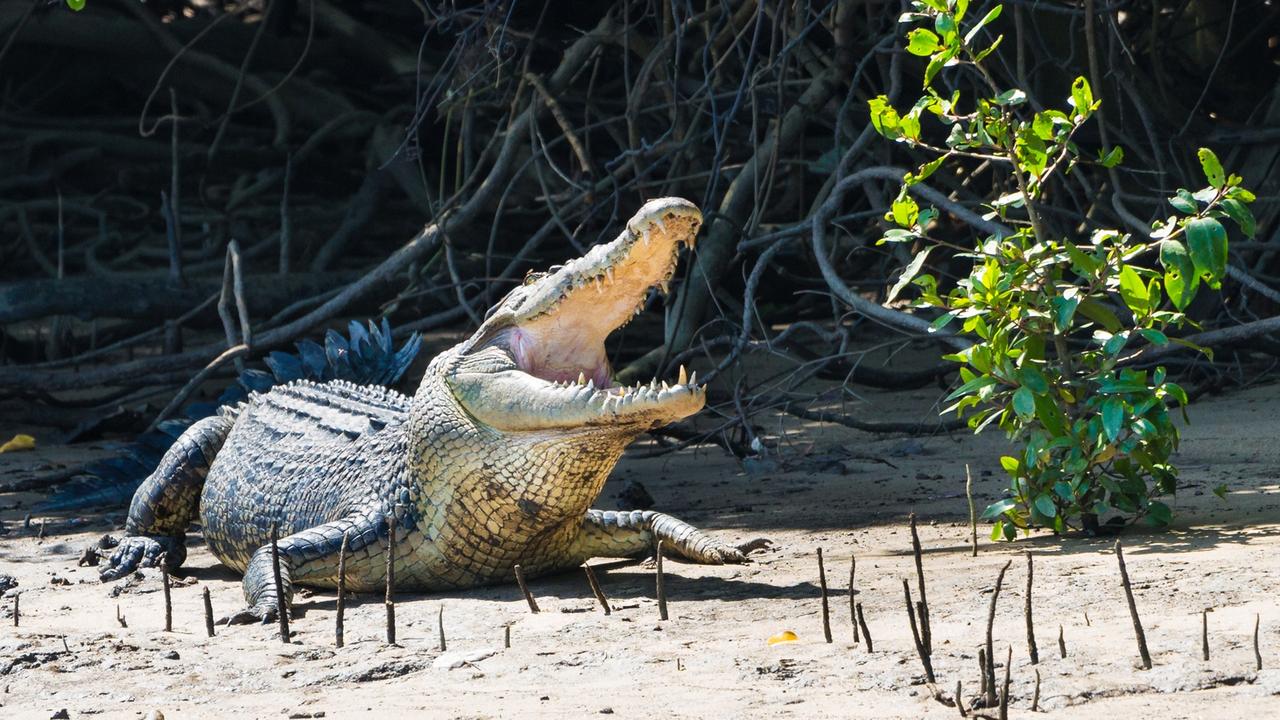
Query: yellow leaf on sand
x=785, y=636
x=19, y=442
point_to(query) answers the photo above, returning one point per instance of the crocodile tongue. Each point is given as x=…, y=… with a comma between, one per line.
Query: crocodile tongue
x=554, y=329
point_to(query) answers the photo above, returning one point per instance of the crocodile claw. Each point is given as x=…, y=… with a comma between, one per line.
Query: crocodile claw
x=262, y=614
x=750, y=546
x=142, y=551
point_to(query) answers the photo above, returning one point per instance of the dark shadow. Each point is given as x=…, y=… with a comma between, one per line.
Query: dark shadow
x=568, y=585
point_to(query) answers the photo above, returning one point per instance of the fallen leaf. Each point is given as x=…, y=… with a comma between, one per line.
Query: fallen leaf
x=785, y=636
x=19, y=442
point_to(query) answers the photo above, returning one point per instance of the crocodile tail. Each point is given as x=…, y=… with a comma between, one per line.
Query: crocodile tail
x=365, y=356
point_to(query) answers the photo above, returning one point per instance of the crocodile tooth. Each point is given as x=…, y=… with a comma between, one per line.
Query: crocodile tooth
x=693, y=380
x=609, y=271
x=645, y=237
x=653, y=384
x=582, y=378
x=591, y=384
x=666, y=287
x=684, y=376
x=665, y=387
x=661, y=225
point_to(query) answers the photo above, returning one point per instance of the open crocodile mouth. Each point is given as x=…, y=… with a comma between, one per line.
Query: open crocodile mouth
x=553, y=329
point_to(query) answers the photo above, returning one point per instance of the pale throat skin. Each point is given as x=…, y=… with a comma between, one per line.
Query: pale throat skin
x=493, y=462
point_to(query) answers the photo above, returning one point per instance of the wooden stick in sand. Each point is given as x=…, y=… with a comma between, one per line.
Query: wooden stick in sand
x=915, y=633
x=926, y=633
x=661, y=585
x=339, y=632
x=1032, y=650
x=990, y=677
x=208, y=613
x=391, y=579
x=524, y=587
x=168, y=601
x=1133, y=609
x=826, y=608
x=595, y=588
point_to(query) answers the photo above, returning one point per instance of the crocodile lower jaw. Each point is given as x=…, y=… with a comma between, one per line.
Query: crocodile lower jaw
x=554, y=330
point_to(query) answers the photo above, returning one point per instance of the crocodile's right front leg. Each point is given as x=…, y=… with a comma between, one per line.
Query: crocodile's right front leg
x=607, y=533
x=312, y=555
x=168, y=501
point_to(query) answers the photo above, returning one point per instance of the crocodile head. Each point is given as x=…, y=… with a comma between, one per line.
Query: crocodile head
x=538, y=362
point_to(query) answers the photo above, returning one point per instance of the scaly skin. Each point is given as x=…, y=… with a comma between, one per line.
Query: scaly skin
x=494, y=462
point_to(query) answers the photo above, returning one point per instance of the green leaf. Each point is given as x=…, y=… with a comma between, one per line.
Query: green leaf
x=1207, y=241
x=1241, y=194
x=1050, y=415
x=1112, y=417
x=1010, y=97
x=1159, y=514
x=1184, y=201
x=1064, y=310
x=974, y=385
x=908, y=274
x=1116, y=343
x=1180, y=291
x=904, y=210
x=943, y=321
x=884, y=118
x=1010, y=464
x=897, y=235
x=922, y=42
x=1031, y=151
x=1082, y=96
x=1134, y=291
x=1155, y=337
x=1024, y=403
x=76, y=5
x=1044, y=503
x=990, y=49
x=1113, y=158
x=945, y=24
x=1221, y=491
x=1034, y=379
x=1100, y=314
x=1180, y=279
x=1242, y=215
x=933, y=68
x=986, y=19
x=998, y=508
x=1212, y=168
x=1174, y=257
x=925, y=171
x=997, y=531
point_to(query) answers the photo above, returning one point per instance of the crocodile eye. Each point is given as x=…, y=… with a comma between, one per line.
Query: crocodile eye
x=533, y=276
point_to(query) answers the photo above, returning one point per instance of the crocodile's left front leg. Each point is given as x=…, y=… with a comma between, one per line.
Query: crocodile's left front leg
x=607, y=533
x=312, y=555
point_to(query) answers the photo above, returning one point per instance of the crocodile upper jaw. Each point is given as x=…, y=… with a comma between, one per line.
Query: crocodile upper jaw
x=546, y=339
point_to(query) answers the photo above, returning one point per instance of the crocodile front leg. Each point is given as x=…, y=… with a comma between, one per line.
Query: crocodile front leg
x=311, y=556
x=607, y=533
x=168, y=501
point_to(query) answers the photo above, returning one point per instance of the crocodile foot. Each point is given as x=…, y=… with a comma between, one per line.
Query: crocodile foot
x=264, y=614
x=750, y=546
x=143, y=551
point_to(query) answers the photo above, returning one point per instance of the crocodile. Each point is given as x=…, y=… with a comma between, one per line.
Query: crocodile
x=493, y=462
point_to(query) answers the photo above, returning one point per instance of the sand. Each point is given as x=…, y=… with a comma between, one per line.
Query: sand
x=846, y=492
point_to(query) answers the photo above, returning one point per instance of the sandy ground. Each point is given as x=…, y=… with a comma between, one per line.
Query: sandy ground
x=846, y=492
